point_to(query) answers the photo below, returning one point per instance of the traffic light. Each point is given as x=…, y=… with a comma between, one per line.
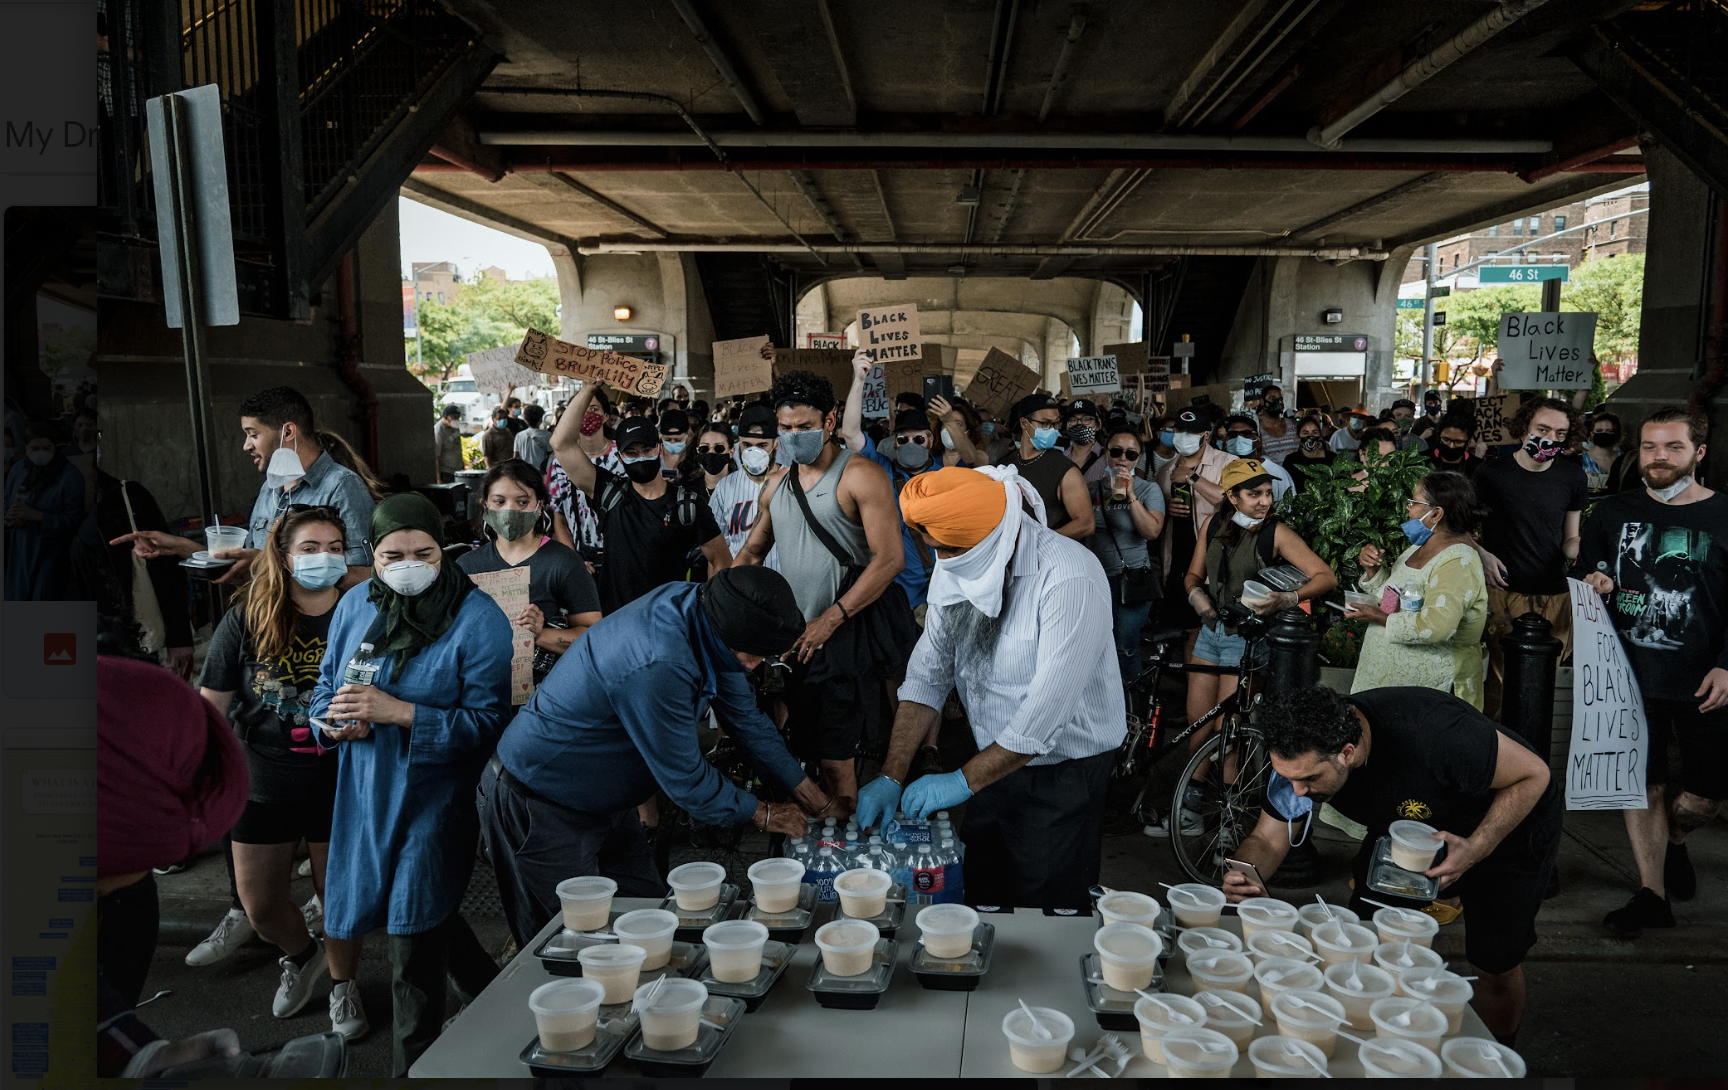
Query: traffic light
x=1442, y=371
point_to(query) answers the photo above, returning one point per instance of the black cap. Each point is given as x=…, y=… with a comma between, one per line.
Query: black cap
x=758, y=421
x=1081, y=407
x=911, y=420
x=674, y=420
x=638, y=430
x=452, y=410
x=1403, y=403
x=753, y=610
x=1191, y=420
x=1033, y=403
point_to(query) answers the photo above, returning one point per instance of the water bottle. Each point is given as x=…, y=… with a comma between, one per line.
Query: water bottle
x=362, y=669
x=928, y=879
x=954, y=881
x=942, y=817
x=831, y=837
x=854, y=838
x=900, y=865
x=827, y=868
x=874, y=857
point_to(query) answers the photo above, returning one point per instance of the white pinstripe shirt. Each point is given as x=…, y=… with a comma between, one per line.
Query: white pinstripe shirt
x=1051, y=686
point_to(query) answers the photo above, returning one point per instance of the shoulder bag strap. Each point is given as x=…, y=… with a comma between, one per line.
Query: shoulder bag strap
x=127, y=500
x=816, y=528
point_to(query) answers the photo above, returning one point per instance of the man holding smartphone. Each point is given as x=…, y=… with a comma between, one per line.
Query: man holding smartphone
x=1412, y=753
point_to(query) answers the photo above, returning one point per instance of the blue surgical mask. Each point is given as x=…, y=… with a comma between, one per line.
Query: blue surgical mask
x=316, y=571
x=1417, y=531
x=1241, y=446
x=502, y=423
x=1045, y=438
x=672, y=447
x=803, y=447
x=1167, y=438
x=1286, y=801
x=989, y=428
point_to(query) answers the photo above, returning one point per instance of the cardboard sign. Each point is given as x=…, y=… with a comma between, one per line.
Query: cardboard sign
x=825, y=340
x=890, y=334
x=1253, y=384
x=1547, y=351
x=497, y=369
x=1000, y=381
x=1093, y=375
x=875, y=398
x=907, y=376
x=740, y=368
x=1131, y=357
x=1217, y=394
x=833, y=364
x=1493, y=414
x=551, y=356
x=1609, y=757
x=509, y=588
x=1157, y=374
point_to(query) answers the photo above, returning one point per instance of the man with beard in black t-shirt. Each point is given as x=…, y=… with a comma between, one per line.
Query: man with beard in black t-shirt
x=1412, y=753
x=1656, y=555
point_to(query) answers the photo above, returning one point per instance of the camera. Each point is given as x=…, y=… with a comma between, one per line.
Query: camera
x=773, y=674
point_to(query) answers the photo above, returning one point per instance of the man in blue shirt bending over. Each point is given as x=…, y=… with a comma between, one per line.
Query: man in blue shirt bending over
x=618, y=716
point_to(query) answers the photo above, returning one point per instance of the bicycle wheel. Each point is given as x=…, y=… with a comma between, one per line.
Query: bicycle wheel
x=1227, y=811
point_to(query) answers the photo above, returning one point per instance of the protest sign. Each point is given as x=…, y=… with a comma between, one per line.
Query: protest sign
x=1157, y=374
x=509, y=588
x=740, y=367
x=999, y=382
x=875, y=400
x=1548, y=351
x=907, y=376
x=1131, y=357
x=496, y=369
x=825, y=340
x=1093, y=375
x=551, y=356
x=1493, y=413
x=889, y=334
x=1609, y=755
x=833, y=364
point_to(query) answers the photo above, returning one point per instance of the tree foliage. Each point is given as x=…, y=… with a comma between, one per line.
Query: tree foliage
x=484, y=314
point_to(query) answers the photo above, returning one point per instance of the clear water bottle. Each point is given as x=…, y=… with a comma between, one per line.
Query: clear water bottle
x=362, y=669
x=831, y=837
x=928, y=877
x=873, y=857
x=942, y=817
x=828, y=866
x=954, y=881
x=854, y=838
x=900, y=865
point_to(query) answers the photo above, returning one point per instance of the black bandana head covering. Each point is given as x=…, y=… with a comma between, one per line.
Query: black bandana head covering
x=753, y=610
x=414, y=622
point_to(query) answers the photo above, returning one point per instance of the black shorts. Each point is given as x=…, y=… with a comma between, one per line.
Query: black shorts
x=1703, y=741
x=287, y=822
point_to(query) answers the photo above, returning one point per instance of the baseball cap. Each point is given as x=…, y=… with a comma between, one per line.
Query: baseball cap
x=1033, y=403
x=758, y=421
x=1190, y=420
x=1243, y=472
x=674, y=420
x=1081, y=407
x=639, y=430
x=911, y=420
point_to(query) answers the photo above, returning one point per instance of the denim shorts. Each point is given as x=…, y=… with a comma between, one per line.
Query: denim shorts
x=1215, y=645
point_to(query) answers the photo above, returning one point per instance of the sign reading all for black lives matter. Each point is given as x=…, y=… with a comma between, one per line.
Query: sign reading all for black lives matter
x=1548, y=351
x=887, y=334
x=1607, y=762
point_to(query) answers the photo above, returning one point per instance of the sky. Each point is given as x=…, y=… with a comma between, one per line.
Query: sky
x=431, y=235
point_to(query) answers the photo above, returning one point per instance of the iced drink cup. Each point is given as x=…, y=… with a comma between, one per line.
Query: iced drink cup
x=848, y=946
x=1030, y=1050
x=652, y=930
x=1196, y=905
x=615, y=967
x=735, y=949
x=863, y=892
x=1414, y=845
x=1128, y=955
x=696, y=885
x=1199, y=1054
x=1260, y=914
x=670, y=1022
x=1309, y=1016
x=947, y=930
x=776, y=884
x=1162, y=1016
x=586, y=902
x=565, y=1013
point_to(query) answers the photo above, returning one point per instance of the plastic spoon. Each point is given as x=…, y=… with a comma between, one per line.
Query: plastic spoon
x=646, y=1003
x=1288, y=1052
x=1494, y=1054
x=1037, y=1026
x=1172, y=1011
x=1233, y=1007
x=1330, y=915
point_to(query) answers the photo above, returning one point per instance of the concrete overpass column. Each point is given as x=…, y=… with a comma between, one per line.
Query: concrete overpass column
x=1057, y=347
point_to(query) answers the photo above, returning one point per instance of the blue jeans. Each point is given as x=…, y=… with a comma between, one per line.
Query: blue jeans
x=1127, y=621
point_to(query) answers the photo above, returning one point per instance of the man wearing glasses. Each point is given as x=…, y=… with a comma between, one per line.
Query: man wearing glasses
x=1452, y=443
x=1051, y=472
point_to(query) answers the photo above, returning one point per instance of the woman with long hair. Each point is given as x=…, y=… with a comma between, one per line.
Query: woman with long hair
x=343, y=454
x=1130, y=513
x=713, y=455
x=428, y=697
x=563, y=602
x=260, y=671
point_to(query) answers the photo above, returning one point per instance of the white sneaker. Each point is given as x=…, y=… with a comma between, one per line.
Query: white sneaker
x=297, y=982
x=233, y=932
x=347, y=1015
x=1192, y=823
x=1158, y=829
x=314, y=914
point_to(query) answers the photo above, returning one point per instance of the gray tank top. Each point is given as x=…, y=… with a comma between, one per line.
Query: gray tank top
x=805, y=562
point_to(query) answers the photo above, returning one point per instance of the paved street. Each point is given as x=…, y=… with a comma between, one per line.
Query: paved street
x=1598, y=1006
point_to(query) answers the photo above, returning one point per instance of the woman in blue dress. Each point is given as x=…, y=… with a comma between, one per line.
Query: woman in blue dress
x=44, y=505
x=414, y=742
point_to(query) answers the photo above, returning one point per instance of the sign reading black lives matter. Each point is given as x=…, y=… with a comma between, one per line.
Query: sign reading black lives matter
x=1609, y=755
x=886, y=334
x=1548, y=351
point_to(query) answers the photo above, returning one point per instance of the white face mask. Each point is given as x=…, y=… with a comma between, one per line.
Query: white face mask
x=1666, y=495
x=284, y=466
x=40, y=457
x=947, y=440
x=755, y=460
x=1244, y=521
x=409, y=577
x=1185, y=442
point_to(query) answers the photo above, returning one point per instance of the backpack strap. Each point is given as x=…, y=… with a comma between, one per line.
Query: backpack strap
x=686, y=502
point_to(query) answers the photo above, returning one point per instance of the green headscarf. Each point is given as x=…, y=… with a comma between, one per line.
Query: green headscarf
x=411, y=623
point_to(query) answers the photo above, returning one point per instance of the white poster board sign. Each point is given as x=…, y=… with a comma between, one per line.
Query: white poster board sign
x=875, y=399
x=1093, y=375
x=1609, y=756
x=509, y=588
x=890, y=333
x=826, y=340
x=1548, y=351
x=497, y=369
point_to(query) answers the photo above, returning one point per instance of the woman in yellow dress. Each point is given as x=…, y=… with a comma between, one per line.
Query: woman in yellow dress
x=1427, y=629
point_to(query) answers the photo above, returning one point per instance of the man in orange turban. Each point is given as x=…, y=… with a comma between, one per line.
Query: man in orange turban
x=1019, y=625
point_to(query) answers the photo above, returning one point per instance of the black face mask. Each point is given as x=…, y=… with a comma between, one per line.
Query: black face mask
x=1450, y=454
x=714, y=461
x=1272, y=406
x=1607, y=438
x=642, y=472
x=1311, y=443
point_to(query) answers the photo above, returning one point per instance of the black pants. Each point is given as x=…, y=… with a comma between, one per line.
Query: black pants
x=534, y=845
x=1034, y=838
x=418, y=967
x=126, y=920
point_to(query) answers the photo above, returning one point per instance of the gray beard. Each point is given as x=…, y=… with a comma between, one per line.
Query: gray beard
x=974, y=633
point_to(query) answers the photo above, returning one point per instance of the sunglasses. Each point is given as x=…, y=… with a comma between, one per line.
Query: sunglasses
x=921, y=440
x=1124, y=452
x=715, y=448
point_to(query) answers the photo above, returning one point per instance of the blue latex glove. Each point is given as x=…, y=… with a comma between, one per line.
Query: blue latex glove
x=929, y=794
x=877, y=802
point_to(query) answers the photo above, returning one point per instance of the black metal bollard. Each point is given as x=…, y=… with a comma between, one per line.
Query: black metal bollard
x=1295, y=653
x=1527, y=705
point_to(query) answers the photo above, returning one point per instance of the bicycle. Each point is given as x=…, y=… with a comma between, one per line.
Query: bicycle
x=1225, y=775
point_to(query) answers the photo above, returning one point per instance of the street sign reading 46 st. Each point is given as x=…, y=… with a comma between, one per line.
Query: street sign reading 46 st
x=1520, y=274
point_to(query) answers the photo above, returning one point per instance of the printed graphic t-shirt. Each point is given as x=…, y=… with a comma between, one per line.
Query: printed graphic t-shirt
x=272, y=705
x=1670, y=599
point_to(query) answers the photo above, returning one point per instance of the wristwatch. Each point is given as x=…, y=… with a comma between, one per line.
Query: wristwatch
x=1194, y=476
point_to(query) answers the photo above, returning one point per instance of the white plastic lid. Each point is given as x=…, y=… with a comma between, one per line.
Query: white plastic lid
x=1198, y=940
x=734, y=935
x=1425, y=1018
x=1266, y=910
x=1229, y=1008
x=676, y=996
x=567, y=996
x=1316, y=914
x=1287, y=973
x=1306, y=1007
x=612, y=954
x=847, y=936
x=864, y=880
x=589, y=887
x=1474, y=1058
x=1018, y=1027
x=696, y=876
x=1415, y=835
x=1406, y=921
x=1166, y=1012
x=947, y=919
x=1354, y=978
x=1437, y=985
x=1195, y=895
x=1128, y=943
x=776, y=872
x=1281, y=944
x=1127, y=905
x=1345, y=936
x=1221, y=965
x=1202, y=1048
x=1285, y=1055
x=646, y=923
x=1401, y=1059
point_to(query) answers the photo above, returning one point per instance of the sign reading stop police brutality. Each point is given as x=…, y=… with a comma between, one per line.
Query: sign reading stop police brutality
x=1093, y=375
x=1609, y=755
x=551, y=356
x=886, y=334
x=1548, y=351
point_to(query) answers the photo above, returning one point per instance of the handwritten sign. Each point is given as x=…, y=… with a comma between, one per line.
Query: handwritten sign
x=875, y=399
x=497, y=369
x=1547, y=351
x=1157, y=374
x=740, y=367
x=888, y=334
x=1493, y=415
x=833, y=364
x=906, y=376
x=1093, y=375
x=1131, y=357
x=1000, y=381
x=825, y=340
x=509, y=588
x=551, y=356
x=1610, y=751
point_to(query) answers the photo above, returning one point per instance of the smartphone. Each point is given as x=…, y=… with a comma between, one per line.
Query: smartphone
x=1246, y=870
x=938, y=386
